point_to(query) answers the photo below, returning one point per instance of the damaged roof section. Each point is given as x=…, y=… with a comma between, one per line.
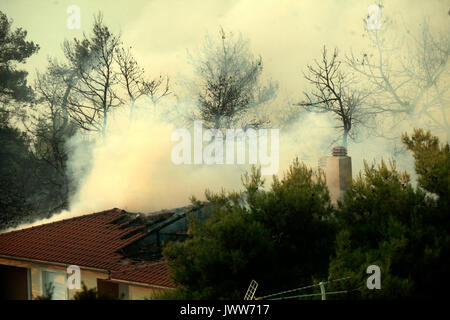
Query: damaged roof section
x=160, y=227
x=127, y=245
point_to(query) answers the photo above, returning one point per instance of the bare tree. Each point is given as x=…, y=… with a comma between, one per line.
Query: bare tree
x=66, y=77
x=333, y=92
x=94, y=95
x=133, y=80
x=79, y=93
x=229, y=89
x=102, y=75
x=407, y=75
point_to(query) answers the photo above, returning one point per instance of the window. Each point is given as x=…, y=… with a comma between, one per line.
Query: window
x=14, y=283
x=112, y=290
x=56, y=281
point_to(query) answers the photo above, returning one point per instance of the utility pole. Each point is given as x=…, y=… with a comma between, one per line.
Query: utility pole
x=322, y=290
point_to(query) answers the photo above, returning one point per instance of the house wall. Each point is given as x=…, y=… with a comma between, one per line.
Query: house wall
x=142, y=293
x=87, y=276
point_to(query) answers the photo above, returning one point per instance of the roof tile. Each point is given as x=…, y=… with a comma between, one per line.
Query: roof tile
x=92, y=240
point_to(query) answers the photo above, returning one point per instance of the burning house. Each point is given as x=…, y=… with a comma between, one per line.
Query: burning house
x=117, y=252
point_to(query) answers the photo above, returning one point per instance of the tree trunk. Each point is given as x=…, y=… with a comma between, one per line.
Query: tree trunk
x=105, y=121
x=344, y=139
x=131, y=109
x=64, y=102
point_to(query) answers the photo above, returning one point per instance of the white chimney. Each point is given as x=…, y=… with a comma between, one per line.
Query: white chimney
x=338, y=172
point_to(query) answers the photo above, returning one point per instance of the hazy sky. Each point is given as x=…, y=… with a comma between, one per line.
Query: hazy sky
x=287, y=34
x=133, y=170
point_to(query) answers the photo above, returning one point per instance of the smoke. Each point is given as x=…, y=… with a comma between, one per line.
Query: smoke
x=132, y=169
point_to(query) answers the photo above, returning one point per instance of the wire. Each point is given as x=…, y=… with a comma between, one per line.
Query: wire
x=316, y=294
x=302, y=288
x=308, y=295
x=297, y=289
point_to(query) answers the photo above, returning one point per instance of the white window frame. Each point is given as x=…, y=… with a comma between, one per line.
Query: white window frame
x=42, y=270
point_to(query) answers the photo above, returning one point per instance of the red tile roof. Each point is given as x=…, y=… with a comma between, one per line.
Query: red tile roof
x=92, y=240
x=155, y=273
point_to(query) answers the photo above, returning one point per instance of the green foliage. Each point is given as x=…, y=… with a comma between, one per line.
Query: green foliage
x=51, y=154
x=432, y=162
x=16, y=170
x=90, y=294
x=272, y=236
x=33, y=174
x=285, y=236
x=384, y=221
x=20, y=173
x=86, y=294
x=34, y=181
x=376, y=221
x=14, y=49
x=229, y=87
x=177, y=294
x=48, y=292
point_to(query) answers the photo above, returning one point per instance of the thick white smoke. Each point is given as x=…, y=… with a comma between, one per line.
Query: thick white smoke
x=132, y=167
